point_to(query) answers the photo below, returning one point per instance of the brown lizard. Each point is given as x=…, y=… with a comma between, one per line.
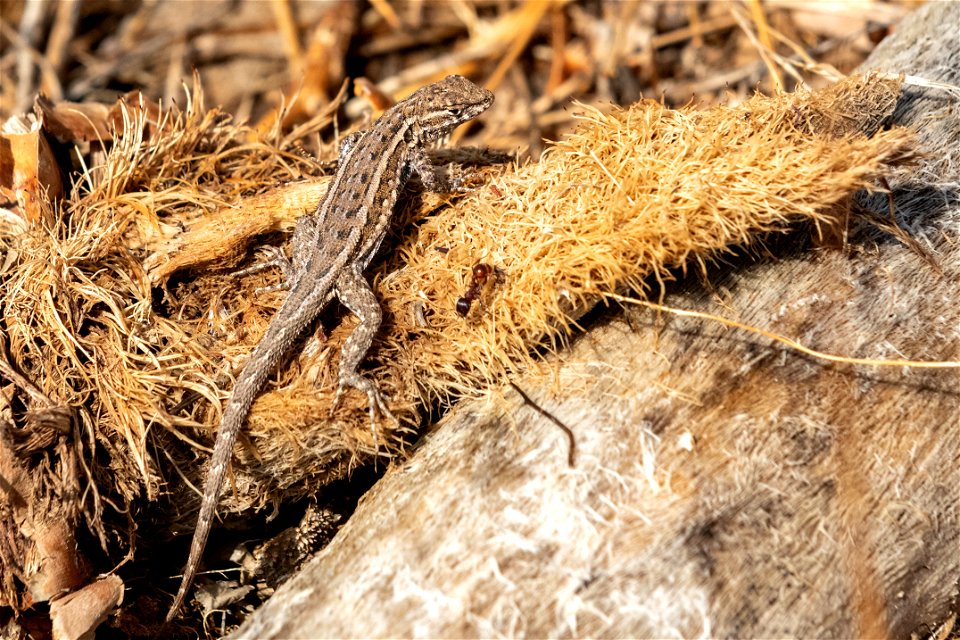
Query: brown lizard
x=330, y=249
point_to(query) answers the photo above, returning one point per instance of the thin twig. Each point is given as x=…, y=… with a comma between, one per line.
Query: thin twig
x=571, y=453
x=793, y=344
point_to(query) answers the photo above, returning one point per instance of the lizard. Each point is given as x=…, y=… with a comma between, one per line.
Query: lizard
x=330, y=249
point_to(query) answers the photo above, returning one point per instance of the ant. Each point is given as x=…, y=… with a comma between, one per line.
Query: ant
x=481, y=273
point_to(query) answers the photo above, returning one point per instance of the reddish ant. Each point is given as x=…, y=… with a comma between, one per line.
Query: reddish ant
x=481, y=272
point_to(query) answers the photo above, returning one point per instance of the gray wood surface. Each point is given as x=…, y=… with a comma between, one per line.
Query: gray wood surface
x=724, y=486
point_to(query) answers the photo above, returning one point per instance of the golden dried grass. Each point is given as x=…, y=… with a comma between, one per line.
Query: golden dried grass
x=625, y=199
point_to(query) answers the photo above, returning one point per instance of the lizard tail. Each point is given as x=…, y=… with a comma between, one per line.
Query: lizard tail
x=263, y=360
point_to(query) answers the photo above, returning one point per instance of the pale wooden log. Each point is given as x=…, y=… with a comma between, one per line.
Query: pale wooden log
x=724, y=486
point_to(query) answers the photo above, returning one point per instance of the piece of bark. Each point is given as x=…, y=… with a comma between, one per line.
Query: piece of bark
x=723, y=485
x=77, y=615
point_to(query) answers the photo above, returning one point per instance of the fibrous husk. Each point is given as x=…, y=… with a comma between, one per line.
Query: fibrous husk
x=629, y=196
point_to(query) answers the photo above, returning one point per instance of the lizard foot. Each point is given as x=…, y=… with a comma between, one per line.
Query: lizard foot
x=274, y=258
x=375, y=399
x=464, y=180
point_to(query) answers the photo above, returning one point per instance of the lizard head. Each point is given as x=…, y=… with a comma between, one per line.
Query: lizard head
x=438, y=108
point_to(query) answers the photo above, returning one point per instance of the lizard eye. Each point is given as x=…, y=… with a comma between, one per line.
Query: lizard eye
x=456, y=113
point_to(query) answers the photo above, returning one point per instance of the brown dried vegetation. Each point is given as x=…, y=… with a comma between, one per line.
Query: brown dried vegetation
x=122, y=326
x=628, y=195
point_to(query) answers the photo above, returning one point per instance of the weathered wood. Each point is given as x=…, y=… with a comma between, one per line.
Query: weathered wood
x=724, y=485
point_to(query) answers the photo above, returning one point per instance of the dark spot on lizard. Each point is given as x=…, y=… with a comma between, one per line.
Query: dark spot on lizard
x=349, y=214
x=343, y=234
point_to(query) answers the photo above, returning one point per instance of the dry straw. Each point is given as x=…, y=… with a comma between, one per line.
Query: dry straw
x=627, y=197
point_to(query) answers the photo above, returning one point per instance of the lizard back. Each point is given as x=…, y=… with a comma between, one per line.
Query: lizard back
x=330, y=250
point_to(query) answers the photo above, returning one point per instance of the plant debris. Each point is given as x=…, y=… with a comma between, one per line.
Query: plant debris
x=123, y=324
x=628, y=196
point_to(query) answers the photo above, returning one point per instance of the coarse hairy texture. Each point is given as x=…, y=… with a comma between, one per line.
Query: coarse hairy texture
x=723, y=486
x=104, y=368
x=628, y=196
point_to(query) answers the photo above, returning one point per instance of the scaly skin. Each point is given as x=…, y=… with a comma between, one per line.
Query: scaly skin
x=330, y=250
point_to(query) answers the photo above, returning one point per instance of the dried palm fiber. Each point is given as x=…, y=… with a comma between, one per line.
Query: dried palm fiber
x=79, y=315
x=628, y=196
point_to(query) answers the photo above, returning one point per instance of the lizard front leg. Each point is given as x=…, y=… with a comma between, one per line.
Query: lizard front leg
x=303, y=238
x=357, y=296
x=434, y=178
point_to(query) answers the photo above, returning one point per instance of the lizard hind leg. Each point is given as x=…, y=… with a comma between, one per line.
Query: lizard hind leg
x=355, y=294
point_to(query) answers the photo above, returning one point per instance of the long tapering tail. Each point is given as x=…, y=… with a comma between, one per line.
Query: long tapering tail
x=263, y=360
